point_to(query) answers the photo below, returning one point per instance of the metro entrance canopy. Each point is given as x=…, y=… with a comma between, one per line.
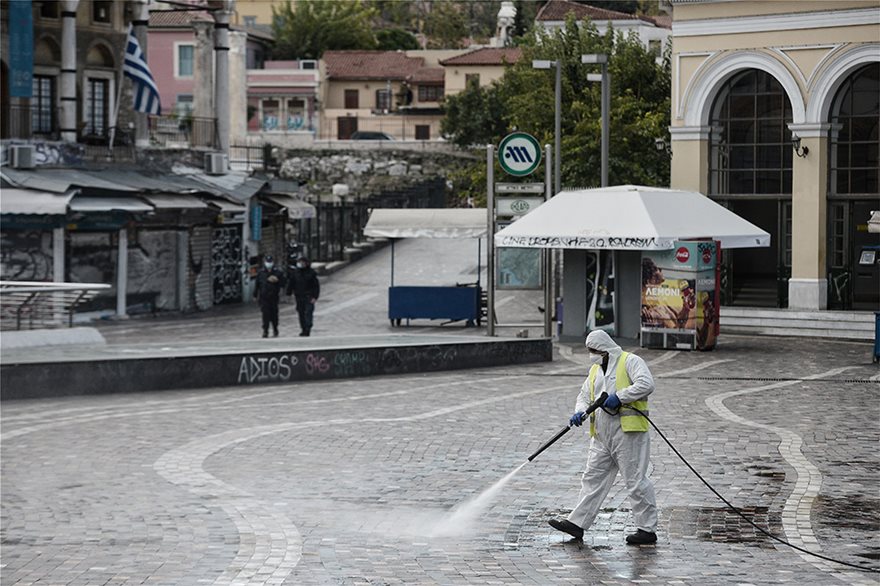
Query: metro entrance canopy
x=629, y=217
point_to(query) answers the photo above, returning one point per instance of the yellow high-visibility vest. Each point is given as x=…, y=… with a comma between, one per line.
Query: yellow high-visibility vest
x=630, y=420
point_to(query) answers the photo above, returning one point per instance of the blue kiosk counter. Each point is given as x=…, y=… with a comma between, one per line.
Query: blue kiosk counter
x=459, y=302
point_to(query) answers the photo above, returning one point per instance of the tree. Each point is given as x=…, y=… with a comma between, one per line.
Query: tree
x=317, y=26
x=524, y=99
x=394, y=39
x=446, y=26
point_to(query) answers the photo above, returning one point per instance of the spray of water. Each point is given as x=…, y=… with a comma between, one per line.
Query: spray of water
x=463, y=517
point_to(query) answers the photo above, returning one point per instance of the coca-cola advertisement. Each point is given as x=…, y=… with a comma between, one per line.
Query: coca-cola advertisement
x=679, y=296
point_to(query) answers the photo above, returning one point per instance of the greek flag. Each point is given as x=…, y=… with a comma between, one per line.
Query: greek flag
x=146, y=94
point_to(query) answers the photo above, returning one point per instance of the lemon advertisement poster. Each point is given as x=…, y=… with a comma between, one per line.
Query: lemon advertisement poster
x=679, y=291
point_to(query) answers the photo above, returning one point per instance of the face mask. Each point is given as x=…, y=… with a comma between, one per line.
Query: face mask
x=596, y=358
x=300, y=265
x=269, y=266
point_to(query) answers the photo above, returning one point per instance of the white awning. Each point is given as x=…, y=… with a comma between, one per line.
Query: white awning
x=427, y=223
x=629, y=217
x=162, y=201
x=228, y=206
x=32, y=202
x=297, y=209
x=82, y=203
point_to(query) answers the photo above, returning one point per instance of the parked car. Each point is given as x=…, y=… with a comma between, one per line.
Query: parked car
x=370, y=135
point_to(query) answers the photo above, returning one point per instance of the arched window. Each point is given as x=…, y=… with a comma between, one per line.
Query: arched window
x=751, y=142
x=855, y=140
x=854, y=189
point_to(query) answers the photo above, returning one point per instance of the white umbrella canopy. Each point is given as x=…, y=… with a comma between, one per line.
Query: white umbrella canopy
x=629, y=217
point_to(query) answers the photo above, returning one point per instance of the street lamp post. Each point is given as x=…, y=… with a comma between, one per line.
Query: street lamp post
x=605, y=79
x=557, y=120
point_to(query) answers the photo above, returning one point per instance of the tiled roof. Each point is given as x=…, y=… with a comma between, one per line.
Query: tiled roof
x=559, y=9
x=173, y=19
x=170, y=18
x=428, y=75
x=662, y=21
x=370, y=64
x=486, y=56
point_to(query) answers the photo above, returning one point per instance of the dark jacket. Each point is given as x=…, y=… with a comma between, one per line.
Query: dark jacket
x=303, y=283
x=267, y=291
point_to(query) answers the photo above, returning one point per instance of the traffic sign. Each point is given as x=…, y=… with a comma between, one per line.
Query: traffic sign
x=519, y=188
x=516, y=206
x=519, y=154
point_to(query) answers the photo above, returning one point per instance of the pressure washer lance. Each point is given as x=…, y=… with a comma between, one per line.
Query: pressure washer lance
x=601, y=401
x=595, y=405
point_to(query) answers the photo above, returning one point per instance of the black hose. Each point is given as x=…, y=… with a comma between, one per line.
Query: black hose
x=741, y=514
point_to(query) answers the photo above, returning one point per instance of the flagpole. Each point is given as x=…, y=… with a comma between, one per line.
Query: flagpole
x=119, y=91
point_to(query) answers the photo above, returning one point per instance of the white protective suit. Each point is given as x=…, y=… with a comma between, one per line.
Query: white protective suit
x=613, y=449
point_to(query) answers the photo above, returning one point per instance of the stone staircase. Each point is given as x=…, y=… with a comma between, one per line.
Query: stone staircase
x=849, y=325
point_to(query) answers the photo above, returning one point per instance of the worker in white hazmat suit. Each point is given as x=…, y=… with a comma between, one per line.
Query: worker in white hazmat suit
x=619, y=439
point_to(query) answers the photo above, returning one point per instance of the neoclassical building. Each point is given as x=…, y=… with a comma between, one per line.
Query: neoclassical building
x=775, y=114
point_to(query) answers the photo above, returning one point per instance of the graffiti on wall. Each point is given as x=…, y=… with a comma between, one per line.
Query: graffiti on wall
x=226, y=264
x=26, y=255
x=152, y=266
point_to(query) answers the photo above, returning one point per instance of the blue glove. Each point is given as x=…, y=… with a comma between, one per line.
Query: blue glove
x=612, y=402
x=577, y=419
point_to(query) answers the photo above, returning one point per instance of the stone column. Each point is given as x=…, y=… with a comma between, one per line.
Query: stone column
x=58, y=255
x=238, y=87
x=690, y=158
x=221, y=85
x=68, y=70
x=139, y=22
x=808, y=286
x=203, y=70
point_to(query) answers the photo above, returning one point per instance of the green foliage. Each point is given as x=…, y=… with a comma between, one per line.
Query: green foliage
x=394, y=39
x=317, y=26
x=524, y=99
x=446, y=26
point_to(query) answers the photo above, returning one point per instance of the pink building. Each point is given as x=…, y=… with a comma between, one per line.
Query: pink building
x=282, y=98
x=171, y=53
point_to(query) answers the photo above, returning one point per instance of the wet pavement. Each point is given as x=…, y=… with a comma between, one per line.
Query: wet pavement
x=347, y=482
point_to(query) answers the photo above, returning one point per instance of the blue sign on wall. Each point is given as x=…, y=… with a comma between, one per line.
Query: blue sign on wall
x=21, y=49
x=257, y=223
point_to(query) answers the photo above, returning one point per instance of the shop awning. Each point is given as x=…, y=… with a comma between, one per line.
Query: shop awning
x=228, y=206
x=629, y=217
x=166, y=201
x=427, y=223
x=32, y=202
x=297, y=209
x=83, y=203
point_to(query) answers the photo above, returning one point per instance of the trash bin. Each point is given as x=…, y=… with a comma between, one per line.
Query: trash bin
x=876, y=336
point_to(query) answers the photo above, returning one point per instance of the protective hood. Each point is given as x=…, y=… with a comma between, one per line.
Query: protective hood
x=599, y=340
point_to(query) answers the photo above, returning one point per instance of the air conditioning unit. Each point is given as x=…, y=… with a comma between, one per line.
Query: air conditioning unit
x=22, y=156
x=216, y=163
x=308, y=64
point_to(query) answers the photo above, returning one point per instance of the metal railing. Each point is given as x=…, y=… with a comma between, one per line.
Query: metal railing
x=183, y=132
x=28, y=305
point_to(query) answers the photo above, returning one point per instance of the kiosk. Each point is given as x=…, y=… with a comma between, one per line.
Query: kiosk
x=458, y=302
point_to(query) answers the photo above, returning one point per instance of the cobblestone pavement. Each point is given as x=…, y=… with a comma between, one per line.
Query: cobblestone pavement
x=348, y=482
x=355, y=482
x=354, y=301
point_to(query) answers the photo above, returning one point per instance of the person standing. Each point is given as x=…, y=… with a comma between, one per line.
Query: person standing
x=619, y=439
x=304, y=286
x=270, y=283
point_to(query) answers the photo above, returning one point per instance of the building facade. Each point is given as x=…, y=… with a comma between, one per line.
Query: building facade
x=775, y=114
x=652, y=31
